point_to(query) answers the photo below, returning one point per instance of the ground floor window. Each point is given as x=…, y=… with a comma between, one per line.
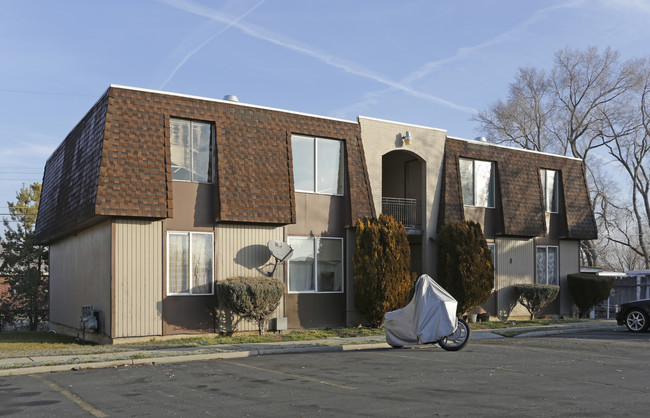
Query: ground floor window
x=190, y=263
x=546, y=262
x=316, y=265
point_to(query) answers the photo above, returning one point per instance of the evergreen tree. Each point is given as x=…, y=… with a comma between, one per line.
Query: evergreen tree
x=23, y=263
x=465, y=267
x=382, y=259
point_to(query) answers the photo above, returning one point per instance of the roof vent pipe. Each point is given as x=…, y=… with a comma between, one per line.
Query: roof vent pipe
x=231, y=98
x=481, y=138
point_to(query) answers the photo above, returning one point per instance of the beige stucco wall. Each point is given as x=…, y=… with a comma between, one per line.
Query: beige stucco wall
x=381, y=137
x=515, y=264
x=138, y=278
x=241, y=251
x=80, y=274
x=569, y=263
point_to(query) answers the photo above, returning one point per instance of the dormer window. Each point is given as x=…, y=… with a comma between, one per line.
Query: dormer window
x=477, y=181
x=550, y=180
x=317, y=165
x=191, y=150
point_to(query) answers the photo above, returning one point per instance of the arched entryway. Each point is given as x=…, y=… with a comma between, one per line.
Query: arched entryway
x=403, y=196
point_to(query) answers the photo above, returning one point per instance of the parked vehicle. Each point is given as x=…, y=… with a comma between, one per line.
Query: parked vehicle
x=430, y=317
x=634, y=315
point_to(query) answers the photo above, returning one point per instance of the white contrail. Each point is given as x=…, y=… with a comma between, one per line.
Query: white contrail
x=207, y=41
x=284, y=42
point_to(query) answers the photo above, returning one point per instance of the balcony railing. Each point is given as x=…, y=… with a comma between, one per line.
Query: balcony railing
x=404, y=210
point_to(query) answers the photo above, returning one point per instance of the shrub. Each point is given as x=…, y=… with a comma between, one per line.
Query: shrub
x=382, y=260
x=8, y=312
x=588, y=290
x=535, y=296
x=465, y=267
x=252, y=298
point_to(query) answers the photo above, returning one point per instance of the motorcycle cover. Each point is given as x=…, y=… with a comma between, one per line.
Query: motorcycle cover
x=429, y=316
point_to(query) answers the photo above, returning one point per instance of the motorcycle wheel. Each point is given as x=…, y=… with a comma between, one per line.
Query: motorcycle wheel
x=458, y=339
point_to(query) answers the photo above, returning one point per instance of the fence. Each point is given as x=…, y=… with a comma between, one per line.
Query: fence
x=402, y=209
x=635, y=285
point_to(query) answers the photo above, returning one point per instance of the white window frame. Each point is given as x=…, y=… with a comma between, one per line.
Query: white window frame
x=315, y=241
x=189, y=235
x=492, y=182
x=557, y=264
x=212, y=148
x=314, y=161
x=544, y=177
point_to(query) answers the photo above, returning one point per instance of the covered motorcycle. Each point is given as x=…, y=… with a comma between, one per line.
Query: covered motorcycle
x=430, y=317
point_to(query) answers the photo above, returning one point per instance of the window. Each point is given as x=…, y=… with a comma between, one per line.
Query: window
x=317, y=165
x=191, y=149
x=547, y=265
x=477, y=181
x=190, y=263
x=550, y=180
x=316, y=265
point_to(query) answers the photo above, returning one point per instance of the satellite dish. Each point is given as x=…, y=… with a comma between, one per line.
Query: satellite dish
x=281, y=251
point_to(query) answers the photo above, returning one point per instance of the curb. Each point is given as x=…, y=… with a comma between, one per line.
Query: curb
x=476, y=335
x=187, y=357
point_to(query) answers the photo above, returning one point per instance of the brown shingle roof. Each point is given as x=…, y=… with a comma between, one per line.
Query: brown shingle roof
x=123, y=164
x=519, y=188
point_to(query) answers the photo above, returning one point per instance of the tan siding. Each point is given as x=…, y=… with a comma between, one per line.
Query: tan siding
x=516, y=264
x=379, y=138
x=80, y=274
x=138, y=278
x=241, y=251
x=569, y=263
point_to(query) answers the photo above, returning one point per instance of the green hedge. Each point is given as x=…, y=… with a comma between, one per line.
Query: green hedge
x=535, y=296
x=252, y=298
x=588, y=290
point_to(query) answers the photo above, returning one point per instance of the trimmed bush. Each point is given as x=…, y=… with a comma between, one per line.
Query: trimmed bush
x=588, y=290
x=465, y=267
x=535, y=296
x=252, y=298
x=382, y=261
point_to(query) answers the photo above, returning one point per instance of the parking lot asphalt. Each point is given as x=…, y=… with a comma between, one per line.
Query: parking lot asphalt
x=45, y=364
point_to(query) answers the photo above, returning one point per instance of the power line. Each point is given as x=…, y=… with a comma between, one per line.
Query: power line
x=48, y=93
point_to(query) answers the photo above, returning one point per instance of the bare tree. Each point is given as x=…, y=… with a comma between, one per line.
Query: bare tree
x=568, y=111
x=628, y=142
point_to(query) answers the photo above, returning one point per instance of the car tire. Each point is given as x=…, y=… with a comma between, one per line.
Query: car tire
x=636, y=320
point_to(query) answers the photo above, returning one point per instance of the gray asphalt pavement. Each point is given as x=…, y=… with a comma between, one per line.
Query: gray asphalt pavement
x=577, y=372
x=45, y=364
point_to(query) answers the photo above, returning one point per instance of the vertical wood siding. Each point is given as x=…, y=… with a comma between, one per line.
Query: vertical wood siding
x=138, y=278
x=516, y=264
x=241, y=251
x=80, y=274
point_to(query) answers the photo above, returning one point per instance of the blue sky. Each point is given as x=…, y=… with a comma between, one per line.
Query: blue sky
x=429, y=63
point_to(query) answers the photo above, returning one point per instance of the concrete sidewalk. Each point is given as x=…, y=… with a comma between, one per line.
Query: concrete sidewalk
x=44, y=364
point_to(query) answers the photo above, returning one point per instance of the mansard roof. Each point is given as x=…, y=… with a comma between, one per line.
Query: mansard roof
x=117, y=163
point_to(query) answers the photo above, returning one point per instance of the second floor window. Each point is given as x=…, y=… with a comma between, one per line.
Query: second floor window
x=317, y=165
x=550, y=180
x=191, y=150
x=477, y=181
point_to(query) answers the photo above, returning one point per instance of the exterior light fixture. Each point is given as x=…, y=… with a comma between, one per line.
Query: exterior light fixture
x=407, y=138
